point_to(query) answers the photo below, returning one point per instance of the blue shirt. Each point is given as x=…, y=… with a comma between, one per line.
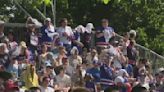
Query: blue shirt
x=129, y=69
x=106, y=72
x=95, y=72
x=13, y=69
x=45, y=37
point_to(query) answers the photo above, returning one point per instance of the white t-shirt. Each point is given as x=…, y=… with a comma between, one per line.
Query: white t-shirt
x=67, y=30
x=48, y=89
x=34, y=39
x=108, y=33
x=64, y=81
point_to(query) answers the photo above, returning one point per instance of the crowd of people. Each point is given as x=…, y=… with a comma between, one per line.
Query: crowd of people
x=83, y=59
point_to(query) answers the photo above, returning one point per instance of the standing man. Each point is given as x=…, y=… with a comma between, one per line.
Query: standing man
x=104, y=34
x=3, y=38
x=65, y=34
x=47, y=32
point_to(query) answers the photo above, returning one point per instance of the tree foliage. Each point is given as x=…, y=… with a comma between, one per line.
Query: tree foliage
x=144, y=16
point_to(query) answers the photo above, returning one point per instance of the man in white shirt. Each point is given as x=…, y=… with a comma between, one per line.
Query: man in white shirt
x=44, y=87
x=65, y=34
x=63, y=81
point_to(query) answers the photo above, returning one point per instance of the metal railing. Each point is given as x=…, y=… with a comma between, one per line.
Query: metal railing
x=156, y=60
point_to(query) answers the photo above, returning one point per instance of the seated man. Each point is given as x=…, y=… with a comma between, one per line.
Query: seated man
x=104, y=34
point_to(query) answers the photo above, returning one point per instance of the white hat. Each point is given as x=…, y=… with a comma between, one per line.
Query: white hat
x=48, y=19
x=160, y=70
x=1, y=22
x=89, y=27
x=133, y=32
x=119, y=79
x=74, y=49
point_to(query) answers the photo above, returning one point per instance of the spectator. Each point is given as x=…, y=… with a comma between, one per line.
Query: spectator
x=75, y=59
x=13, y=67
x=104, y=34
x=118, y=55
x=95, y=71
x=47, y=32
x=89, y=83
x=122, y=84
x=23, y=56
x=78, y=38
x=144, y=78
x=62, y=54
x=12, y=45
x=128, y=67
x=4, y=55
x=93, y=55
x=43, y=56
x=126, y=39
x=24, y=53
x=86, y=36
x=3, y=38
x=30, y=77
x=44, y=86
x=66, y=34
x=124, y=43
x=78, y=76
x=10, y=86
x=63, y=81
x=139, y=65
x=132, y=34
x=106, y=72
x=50, y=73
x=32, y=39
x=132, y=53
x=159, y=79
x=68, y=68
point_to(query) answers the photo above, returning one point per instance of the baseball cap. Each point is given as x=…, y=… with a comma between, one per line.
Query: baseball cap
x=132, y=32
x=48, y=19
